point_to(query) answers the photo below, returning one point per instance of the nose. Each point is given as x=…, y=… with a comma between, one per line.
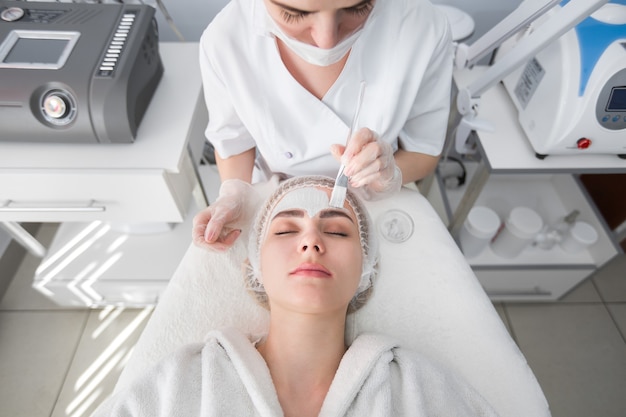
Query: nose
x=325, y=31
x=312, y=241
x=316, y=248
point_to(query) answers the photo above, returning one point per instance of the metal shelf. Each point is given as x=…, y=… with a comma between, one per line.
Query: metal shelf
x=505, y=173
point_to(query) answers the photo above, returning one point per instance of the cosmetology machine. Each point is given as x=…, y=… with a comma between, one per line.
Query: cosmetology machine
x=76, y=72
x=565, y=73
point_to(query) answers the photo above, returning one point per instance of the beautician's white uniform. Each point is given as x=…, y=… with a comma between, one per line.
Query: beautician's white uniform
x=404, y=54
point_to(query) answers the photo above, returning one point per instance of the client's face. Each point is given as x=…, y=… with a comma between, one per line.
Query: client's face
x=311, y=258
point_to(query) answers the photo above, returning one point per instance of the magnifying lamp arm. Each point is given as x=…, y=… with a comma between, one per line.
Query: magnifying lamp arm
x=527, y=12
x=468, y=108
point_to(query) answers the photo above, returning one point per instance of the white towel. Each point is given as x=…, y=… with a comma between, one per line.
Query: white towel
x=227, y=376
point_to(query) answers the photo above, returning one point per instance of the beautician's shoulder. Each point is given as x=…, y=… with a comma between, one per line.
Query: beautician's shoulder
x=417, y=16
x=232, y=25
x=414, y=21
x=425, y=11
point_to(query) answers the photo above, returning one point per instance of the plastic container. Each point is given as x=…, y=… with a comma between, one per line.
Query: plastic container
x=480, y=227
x=518, y=231
x=579, y=237
x=554, y=233
x=396, y=226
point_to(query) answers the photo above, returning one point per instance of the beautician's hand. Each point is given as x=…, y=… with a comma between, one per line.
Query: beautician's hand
x=370, y=165
x=219, y=225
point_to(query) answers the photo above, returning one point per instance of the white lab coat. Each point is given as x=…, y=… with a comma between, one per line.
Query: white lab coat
x=404, y=54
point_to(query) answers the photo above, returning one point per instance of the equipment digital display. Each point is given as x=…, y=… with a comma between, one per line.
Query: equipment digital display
x=37, y=49
x=617, y=100
x=40, y=51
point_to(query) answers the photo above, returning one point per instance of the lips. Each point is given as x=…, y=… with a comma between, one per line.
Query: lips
x=311, y=270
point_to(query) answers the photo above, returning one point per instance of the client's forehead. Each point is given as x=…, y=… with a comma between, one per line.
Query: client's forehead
x=312, y=201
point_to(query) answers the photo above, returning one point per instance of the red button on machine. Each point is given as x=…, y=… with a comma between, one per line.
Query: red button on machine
x=583, y=143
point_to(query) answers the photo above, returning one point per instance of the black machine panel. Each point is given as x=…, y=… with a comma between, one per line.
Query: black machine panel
x=76, y=72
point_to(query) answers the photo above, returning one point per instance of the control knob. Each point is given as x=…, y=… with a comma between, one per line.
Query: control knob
x=57, y=107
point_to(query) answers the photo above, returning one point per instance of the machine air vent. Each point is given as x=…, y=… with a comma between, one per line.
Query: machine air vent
x=116, y=45
x=77, y=17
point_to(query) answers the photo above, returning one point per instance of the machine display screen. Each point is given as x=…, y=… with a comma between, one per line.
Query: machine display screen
x=617, y=101
x=37, y=49
x=40, y=51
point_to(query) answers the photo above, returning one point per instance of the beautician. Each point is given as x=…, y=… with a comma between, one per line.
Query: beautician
x=281, y=82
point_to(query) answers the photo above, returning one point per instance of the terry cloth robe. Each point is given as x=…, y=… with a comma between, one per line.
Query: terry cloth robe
x=226, y=376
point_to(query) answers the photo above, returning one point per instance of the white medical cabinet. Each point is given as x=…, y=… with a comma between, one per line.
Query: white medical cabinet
x=100, y=192
x=505, y=173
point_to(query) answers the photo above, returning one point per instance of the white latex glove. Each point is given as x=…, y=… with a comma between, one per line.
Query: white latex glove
x=370, y=165
x=218, y=226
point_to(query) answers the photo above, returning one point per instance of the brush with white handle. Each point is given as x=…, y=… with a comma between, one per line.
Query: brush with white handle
x=338, y=196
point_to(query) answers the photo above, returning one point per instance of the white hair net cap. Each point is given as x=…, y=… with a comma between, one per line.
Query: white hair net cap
x=369, y=243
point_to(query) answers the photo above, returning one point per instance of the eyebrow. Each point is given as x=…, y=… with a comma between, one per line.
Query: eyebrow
x=325, y=214
x=296, y=10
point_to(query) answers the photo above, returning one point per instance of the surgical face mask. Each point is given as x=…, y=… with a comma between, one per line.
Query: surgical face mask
x=313, y=54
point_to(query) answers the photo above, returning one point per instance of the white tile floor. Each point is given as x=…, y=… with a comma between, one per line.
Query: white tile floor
x=58, y=361
x=62, y=362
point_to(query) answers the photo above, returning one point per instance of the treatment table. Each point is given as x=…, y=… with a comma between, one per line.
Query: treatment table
x=426, y=296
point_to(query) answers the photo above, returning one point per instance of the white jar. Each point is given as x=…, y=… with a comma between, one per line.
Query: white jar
x=479, y=228
x=520, y=228
x=580, y=236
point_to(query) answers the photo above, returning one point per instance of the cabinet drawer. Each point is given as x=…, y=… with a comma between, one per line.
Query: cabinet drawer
x=93, y=264
x=541, y=284
x=127, y=293
x=85, y=195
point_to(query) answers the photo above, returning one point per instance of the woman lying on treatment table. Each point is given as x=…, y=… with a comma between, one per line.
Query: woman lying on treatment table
x=311, y=265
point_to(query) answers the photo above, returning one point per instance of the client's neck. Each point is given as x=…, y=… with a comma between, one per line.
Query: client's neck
x=303, y=351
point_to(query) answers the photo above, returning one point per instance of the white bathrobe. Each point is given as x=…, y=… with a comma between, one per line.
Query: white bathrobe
x=226, y=376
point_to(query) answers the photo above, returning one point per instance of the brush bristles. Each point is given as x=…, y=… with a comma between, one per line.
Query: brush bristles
x=339, y=190
x=342, y=180
x=338, y=196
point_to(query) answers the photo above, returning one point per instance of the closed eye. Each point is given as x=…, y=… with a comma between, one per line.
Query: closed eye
x=341, y=234
x=284, y=232
x=361, y=9
x=332, y=233
x=293, y=17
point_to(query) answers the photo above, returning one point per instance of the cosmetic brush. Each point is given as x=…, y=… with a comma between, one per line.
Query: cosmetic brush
x=338, y=195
